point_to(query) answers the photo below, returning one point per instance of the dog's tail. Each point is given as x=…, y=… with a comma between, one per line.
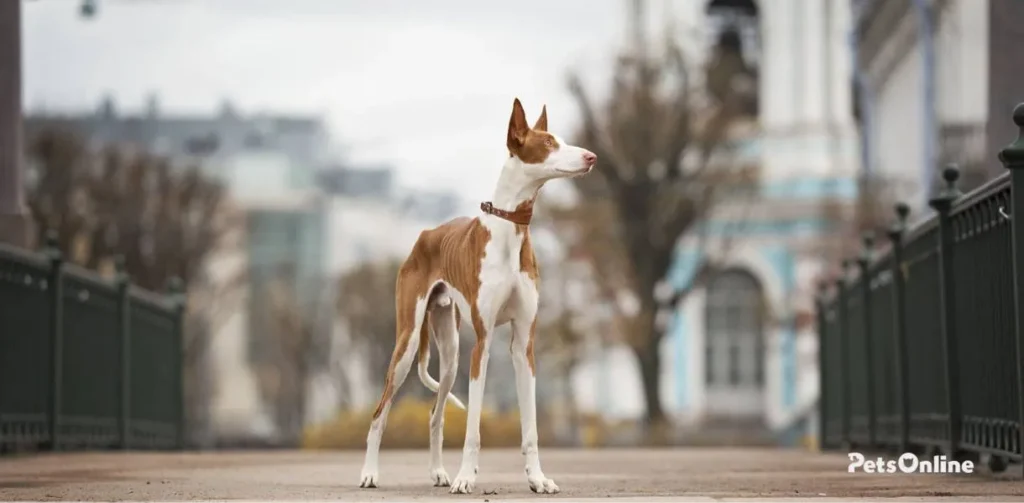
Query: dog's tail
x=423, y=355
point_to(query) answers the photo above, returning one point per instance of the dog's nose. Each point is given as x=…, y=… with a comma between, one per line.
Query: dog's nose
x=590, y=158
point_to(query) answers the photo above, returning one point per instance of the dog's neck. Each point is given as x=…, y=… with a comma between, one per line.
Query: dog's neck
x=515, y=191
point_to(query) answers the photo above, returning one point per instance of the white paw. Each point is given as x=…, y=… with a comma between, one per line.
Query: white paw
x=543, y=485
x=368, y=479
x=464, y=483
x=440, y=477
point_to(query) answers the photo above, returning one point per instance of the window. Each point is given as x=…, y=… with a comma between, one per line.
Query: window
x=735, y=55
x=734, y=347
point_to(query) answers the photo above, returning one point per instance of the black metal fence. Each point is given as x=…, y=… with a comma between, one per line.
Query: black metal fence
x=86, y=363
x=922, y=345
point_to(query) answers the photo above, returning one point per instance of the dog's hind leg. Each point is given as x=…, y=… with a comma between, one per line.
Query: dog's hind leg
x=446, y=337
x=410, y=314
x=439, y=298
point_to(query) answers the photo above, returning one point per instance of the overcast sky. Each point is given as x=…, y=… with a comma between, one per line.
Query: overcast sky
x=424, y=85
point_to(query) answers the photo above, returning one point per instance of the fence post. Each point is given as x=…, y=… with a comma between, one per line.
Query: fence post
x=177, y=293
x=1012, y=158
x=943, y=203
x=863, y=263
x=899, y=317
x=124, y=334
x=820, y=306
x=56, y=281
x=843, y=338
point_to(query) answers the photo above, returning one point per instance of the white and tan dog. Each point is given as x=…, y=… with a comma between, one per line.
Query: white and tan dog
x=487, y=267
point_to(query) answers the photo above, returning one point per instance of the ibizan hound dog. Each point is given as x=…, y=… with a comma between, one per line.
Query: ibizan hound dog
x=487, y=267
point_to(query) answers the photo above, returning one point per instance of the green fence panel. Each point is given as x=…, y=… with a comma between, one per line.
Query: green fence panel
x=91, y=376
x=24, y=348
x=886, y=407
x=85, y=363
x=154, y=407
x=926, y=367
x=984, y=303
x=946, y=352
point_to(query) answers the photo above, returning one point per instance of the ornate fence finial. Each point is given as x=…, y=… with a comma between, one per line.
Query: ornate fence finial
x=848, y=265
x=176, y=291
x=821, y=290
x=868, y=244
x=950, y=175
x=868, y=239
x=51, y=246
x=839, y=280
x=902, y=213
x=943, y=201
x=1012, y=156
x=898, y=227
x=174, y=285
x=120, y=269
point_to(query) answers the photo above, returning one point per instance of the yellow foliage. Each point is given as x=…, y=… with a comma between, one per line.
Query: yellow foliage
x=810, y=442
x=409, y=427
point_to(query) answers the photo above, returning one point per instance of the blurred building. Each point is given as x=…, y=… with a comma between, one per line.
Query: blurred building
x=936, y=81
x=373, y=219
x=740, y=353
x=268, y=163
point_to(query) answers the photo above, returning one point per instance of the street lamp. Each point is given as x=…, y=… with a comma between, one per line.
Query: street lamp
x=88, y=9
x=14, y=219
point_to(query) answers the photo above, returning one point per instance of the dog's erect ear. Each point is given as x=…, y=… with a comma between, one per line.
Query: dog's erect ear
x=542, y=121
x=517, y=126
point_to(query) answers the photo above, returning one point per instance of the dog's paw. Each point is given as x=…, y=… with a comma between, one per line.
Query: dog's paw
x=463, y=483
x=543, y=485
x=368, y=480
x=440, y=477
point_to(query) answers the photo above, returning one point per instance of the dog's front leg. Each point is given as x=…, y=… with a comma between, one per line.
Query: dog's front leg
x=466, y=478
x=523, y=330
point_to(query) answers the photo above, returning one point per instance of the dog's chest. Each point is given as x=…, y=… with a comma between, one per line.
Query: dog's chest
x=501, y=265
x=502, y=252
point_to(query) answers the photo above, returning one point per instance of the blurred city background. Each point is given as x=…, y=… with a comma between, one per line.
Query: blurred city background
x=281, y=158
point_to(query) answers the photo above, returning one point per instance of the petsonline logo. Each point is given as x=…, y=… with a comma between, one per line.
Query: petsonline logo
x=908, y=462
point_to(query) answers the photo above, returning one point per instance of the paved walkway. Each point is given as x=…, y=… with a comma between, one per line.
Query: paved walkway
x=583, y=475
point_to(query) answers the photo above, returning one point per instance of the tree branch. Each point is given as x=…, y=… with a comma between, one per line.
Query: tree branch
x=595, y=137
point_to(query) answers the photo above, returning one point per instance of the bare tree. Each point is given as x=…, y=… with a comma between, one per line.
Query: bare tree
x=561, y=339
x=296, y=345
x=585, y=232
x=213, y=303
x=162, y=221
x=366, y=305
x=660, y=140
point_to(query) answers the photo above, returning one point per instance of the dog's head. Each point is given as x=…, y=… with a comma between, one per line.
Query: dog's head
x=543, y=155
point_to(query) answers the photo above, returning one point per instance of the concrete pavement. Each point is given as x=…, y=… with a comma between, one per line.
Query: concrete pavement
x=583, y=475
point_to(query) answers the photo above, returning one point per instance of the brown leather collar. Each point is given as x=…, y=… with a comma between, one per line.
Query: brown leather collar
x=520, y=216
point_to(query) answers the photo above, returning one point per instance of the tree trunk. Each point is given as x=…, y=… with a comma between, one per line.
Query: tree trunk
x=650, y=264
x=650, y=374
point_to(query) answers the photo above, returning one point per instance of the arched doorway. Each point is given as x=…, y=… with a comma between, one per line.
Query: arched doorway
x=734, y=346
